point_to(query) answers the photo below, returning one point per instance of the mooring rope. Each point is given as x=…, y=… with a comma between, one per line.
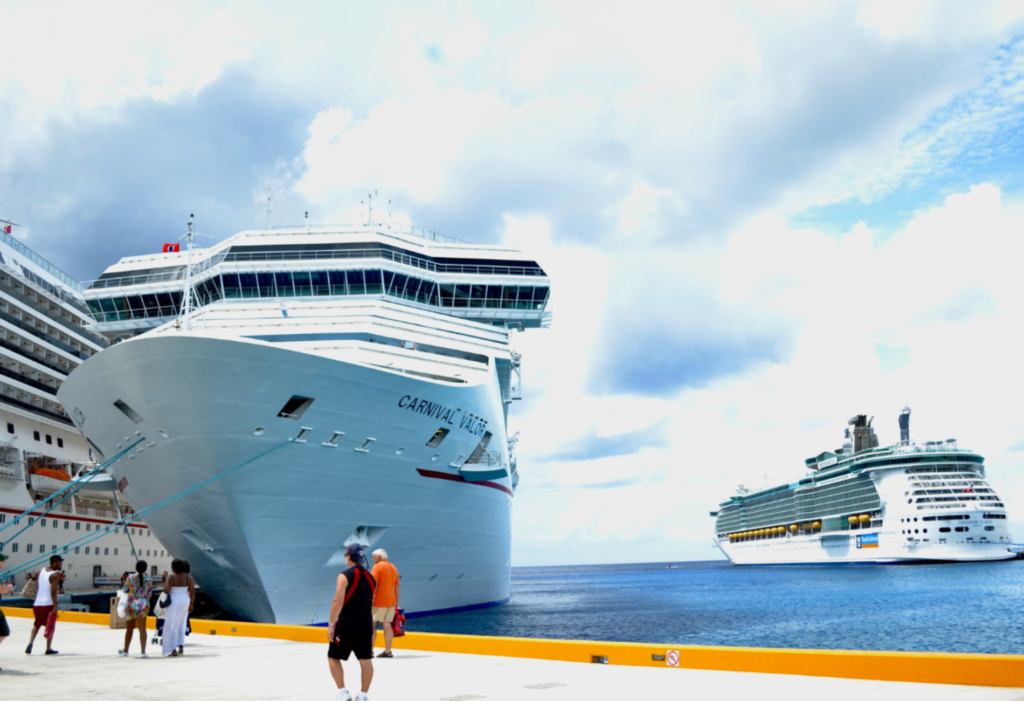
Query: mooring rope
x=126, y=521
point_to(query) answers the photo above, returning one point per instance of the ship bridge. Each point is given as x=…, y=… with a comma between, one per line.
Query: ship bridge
x=492, y=285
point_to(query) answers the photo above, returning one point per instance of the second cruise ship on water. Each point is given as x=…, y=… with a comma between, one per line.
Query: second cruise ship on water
x=868, y=504
x=366, y=372
x=43, y=337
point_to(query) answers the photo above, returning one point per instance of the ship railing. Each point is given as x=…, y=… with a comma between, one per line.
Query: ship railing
x=397, y=228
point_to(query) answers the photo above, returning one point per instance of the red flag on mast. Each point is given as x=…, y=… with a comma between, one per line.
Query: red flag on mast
x=172, y=247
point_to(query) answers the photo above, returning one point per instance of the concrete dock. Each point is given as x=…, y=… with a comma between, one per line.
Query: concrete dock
x=220, y=666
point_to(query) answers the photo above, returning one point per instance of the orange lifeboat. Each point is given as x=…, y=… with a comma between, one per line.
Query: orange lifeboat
x=55, y=473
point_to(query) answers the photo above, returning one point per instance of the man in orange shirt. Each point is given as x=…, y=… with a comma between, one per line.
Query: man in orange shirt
x=385, y=601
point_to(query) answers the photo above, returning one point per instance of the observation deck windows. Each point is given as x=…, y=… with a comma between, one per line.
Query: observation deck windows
x=324, y=283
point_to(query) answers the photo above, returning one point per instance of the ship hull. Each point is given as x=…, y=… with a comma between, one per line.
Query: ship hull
x=892, y=548
x=266, y=540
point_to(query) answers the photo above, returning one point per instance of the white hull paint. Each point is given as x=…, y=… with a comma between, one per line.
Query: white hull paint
x=265, y=541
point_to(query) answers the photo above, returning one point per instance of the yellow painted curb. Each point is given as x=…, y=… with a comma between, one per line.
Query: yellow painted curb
x=926, y=667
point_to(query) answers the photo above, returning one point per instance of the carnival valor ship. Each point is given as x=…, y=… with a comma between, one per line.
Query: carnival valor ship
x=43, y=337
x=867, y=504
x=365, y=371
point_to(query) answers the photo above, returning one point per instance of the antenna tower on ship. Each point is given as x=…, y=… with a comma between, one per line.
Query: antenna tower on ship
x=270, y=196
x=186, y=298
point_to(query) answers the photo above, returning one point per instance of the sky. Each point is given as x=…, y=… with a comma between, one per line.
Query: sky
x=759, y=218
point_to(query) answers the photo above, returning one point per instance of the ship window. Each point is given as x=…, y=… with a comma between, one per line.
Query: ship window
x=962, y=529
x=10, y=428
x=461, y=296
x=295, y=407
x=478, y=294
x=356, y=286
x=78, y=526
x=447, y=294
x=374, y=286
x=115, y=551
x=14, y=548
x=990, y=528
x=436, y=439
x=28, y=548
x=412, y=287
x=265, y=282
x=397, y=286
x=302, y=284
x=42, y=523
x=493, y=296
x=106, y=551
x=55, y=524
x=35, y=435
x=86, y=549
x=128, y=411
x=284, y=284
x=49, y=439
x=321, y=284
x=88, y=527
x=337, y=278
x=60, y=442
x=78, y=550
x=928, y=518
x=247, y=285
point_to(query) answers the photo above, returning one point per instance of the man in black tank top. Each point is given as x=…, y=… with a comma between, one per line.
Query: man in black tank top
x=351, y=622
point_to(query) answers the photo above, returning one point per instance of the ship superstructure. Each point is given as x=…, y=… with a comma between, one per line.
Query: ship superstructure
x=366, y=371
x=43, y=338
x=865, y=503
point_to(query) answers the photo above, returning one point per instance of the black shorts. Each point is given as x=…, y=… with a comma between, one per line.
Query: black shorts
x=361, y=644
x=5, y=630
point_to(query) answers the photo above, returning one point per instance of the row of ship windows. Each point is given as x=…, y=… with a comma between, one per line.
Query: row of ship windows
x=78, y=525
x=322, y=284
x=89, y=550
x=36, y=436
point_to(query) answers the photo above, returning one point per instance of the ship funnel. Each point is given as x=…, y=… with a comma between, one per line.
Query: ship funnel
x=905, y=425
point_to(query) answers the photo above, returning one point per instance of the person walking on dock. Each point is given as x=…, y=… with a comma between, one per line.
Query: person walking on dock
x=44, y=608
x=138, y=587
x=351, y=622
x=385, y=600
x=5, y=588
x=180, y=589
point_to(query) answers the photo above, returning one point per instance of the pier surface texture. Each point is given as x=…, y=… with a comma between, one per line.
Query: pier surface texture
x=235, y=666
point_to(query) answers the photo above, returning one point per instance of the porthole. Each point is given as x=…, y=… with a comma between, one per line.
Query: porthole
x=259, y=431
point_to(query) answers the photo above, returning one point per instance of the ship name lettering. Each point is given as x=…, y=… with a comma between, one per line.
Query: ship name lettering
x=442, y=413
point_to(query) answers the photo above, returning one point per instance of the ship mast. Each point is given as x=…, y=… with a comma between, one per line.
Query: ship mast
x=186, y=299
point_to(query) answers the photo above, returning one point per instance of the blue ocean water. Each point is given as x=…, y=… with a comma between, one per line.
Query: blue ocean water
x=972, y=607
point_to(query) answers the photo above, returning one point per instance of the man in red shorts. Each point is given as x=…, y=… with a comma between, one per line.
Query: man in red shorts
x=46, y=601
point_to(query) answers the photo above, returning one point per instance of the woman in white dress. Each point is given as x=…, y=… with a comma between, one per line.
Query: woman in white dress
x=182, y=593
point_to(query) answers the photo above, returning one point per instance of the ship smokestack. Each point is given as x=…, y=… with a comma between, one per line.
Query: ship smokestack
x=905, y=425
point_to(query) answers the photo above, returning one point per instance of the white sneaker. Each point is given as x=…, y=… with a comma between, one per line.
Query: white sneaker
x=343, y=695
x=144, y=656
x=361, y=696
x=122, y=653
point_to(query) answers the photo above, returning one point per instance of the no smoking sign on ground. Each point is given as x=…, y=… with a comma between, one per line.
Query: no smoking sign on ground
x=672, y=658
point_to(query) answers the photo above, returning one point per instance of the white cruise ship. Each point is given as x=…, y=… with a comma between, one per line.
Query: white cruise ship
x=42, y=339
x=367, y=373
x=867, y=504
